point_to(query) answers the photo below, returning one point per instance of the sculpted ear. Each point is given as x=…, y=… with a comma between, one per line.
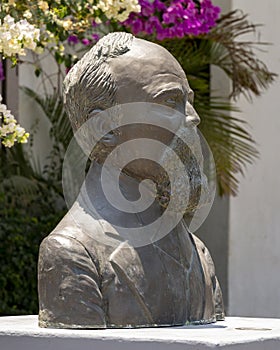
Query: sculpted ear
x=111, y=138
x=102, y=125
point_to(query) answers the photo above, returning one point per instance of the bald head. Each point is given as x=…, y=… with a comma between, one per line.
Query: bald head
x=121, y=69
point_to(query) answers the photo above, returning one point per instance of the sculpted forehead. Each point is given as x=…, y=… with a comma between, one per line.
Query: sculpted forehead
x=144, y=70
x=143, y=49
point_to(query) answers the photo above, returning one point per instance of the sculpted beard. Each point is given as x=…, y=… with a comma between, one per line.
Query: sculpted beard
x=187, y=145
x=188, y=148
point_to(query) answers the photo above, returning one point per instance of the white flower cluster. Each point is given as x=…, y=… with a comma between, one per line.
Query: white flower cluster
x=118, y=9
x=15, y=37
x=10, y=131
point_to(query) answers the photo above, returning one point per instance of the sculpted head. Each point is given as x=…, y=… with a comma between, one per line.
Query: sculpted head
x=122, y=69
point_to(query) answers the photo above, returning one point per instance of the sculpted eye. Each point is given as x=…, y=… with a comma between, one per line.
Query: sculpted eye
x=94, y=112
x=171, y=102
x=174, y=98
x=175, y=102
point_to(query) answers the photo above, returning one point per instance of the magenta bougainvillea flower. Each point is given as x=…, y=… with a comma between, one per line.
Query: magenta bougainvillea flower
x=174, y=18
x=73, y=39
x=164, y=19
x=86, y=42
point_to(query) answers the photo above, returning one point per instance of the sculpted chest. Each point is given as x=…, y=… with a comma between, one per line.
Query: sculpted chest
x=149, y=285
x=85, y=285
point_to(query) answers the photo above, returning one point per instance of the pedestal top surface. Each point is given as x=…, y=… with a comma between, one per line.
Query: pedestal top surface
x=234, y=330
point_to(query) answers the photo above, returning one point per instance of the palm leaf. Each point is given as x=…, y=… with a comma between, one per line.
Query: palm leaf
x=19, y=180
x=19, y=176
x=236, y=57
x=52, y=106
x=232, y=145
x=20, y=185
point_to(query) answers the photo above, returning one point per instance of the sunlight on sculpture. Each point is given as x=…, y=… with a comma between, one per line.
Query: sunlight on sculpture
x=107, y=264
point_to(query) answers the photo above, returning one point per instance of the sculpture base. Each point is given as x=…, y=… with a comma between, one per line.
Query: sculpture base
x=235, y=333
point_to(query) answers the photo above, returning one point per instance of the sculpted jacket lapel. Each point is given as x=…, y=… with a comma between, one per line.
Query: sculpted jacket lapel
x=155, y=279
x=128, y=267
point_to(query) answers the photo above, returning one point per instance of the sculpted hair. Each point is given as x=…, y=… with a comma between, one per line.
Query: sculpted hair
x=89, y=85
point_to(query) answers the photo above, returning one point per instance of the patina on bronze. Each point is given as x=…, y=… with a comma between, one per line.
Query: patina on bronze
x=86, y=284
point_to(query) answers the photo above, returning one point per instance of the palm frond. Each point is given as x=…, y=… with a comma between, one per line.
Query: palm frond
x=232, y=146
x=19, y=180
x=20, y=185
x=19, y=176
x=249, y=75
x=52, y=107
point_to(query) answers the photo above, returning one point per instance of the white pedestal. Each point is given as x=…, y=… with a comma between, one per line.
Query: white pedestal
x=22, y=332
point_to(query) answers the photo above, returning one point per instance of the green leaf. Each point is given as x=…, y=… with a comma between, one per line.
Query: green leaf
x=59, y=57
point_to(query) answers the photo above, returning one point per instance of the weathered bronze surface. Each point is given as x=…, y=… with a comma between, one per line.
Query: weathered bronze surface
x=84, y=283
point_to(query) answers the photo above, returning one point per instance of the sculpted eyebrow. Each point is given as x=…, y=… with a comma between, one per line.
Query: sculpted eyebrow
x=168, y=92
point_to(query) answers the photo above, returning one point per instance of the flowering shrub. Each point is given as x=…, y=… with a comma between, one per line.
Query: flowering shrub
x=158, y=20
x=117, y=9
x=40, y=25
x=10, y=131
x=57, y=20
x=15, y=37
x=174, y=18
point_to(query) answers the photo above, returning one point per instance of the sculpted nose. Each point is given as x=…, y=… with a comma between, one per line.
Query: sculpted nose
x=191, y=115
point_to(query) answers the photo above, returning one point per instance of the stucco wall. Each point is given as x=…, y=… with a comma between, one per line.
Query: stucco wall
x=215, y=229
x=254, y=220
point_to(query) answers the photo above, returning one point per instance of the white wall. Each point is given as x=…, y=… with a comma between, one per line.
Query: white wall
x=254, y=259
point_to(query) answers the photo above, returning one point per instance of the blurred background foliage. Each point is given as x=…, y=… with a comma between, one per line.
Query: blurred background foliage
x=20, y=235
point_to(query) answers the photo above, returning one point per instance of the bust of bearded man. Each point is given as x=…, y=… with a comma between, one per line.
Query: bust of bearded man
x=85, y=282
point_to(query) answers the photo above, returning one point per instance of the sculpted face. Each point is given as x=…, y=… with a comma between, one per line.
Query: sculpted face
x=149, y=73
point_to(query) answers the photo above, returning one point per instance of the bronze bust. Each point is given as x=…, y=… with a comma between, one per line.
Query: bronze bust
x=86, y=283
